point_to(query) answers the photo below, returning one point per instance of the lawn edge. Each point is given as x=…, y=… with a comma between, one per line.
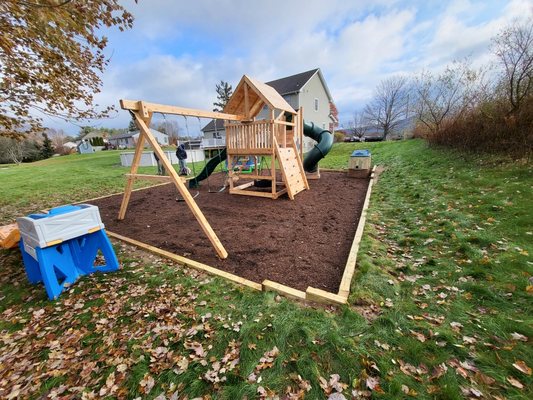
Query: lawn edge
x=349, y=269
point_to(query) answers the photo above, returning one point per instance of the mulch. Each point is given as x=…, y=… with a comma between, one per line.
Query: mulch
x=299, y=243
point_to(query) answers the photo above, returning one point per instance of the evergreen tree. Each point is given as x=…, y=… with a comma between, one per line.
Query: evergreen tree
x=47, y=150
x=224, y=92
x=132, y=126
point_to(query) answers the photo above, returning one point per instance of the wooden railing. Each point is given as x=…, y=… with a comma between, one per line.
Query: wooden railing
x=249, y=138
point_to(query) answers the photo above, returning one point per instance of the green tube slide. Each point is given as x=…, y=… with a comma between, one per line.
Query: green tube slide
x=324, y=143
x=208, y=169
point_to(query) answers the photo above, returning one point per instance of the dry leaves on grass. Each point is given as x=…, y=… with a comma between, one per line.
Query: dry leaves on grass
x=267, y=361
x=229, y=362
x=334, y=384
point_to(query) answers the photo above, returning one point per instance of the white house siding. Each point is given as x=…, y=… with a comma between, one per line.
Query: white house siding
x=312, y=90
x=292, y=99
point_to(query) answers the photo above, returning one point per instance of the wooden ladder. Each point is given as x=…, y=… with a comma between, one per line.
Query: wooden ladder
x=292, y=169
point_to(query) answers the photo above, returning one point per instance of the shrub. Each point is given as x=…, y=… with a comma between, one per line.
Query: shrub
x=338, y=137
x=490, y=128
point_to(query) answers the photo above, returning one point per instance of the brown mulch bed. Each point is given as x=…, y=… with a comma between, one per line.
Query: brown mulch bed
x=297, y=243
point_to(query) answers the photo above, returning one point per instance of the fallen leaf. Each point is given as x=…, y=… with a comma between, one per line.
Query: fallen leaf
x=515, y=382
x=522, y=367
x=147, y=383
x=419, y=336
x=518, y=336
x=484, y=379
x=469, y=340
x=456, y=326
x=372, y=382
x=438, y=371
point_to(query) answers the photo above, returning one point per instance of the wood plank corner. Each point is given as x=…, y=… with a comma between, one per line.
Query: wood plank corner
x=321, y=296
x=283, y=290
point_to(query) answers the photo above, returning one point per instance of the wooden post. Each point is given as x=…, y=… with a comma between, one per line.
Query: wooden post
x=134, y=166
x=204, y=224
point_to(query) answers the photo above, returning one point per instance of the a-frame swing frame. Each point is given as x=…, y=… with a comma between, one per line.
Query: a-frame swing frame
x=143, y=112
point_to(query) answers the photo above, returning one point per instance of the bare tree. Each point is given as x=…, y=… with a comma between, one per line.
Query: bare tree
x=446, y=97
x=360, y=124
x=389, y=104
x=58, y=138
x=514, y=48
x=171, y=128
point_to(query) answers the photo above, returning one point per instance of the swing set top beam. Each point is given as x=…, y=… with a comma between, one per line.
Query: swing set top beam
x=146, y=108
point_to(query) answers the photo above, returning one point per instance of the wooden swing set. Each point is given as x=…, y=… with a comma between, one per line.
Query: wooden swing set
x=279, y=136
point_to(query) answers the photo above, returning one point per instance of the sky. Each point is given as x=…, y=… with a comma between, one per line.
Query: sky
x=177, y=51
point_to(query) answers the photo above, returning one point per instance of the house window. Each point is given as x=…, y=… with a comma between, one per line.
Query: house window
x=316, y=104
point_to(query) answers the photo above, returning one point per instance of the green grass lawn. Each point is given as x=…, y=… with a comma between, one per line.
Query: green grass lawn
x=440, y=306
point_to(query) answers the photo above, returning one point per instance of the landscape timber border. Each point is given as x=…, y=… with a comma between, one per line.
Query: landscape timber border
x=311, y=294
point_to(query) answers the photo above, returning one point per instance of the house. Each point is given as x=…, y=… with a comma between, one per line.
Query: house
x=128, y=140
x=94, y=134
x=85, y=147
x=307, y=89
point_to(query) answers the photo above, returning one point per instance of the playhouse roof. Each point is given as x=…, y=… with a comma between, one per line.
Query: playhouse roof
x=258, y=92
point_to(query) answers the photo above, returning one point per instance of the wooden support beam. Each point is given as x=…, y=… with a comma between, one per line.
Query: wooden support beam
x=254, y=110
x=187, y=262
x=252, y=193
x=162, y=178
x=165, y=109
x=246, y=101
x=139, y=146
x=244, y=185
x=204, y=224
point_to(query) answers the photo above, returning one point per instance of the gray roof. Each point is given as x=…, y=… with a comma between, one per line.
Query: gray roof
x=293, y=83
x=131, y=133
x=211, y=126
x=123, y=135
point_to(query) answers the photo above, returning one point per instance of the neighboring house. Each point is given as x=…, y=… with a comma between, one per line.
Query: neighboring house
x=85, y=147
x=87, y=139
x=70, y=145
x=307, y=89
x=95, y=134
x=128, y=140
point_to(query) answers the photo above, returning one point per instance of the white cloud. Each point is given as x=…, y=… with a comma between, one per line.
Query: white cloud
x=178, y=50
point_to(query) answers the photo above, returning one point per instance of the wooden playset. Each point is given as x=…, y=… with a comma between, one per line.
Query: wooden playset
x=277, y=137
